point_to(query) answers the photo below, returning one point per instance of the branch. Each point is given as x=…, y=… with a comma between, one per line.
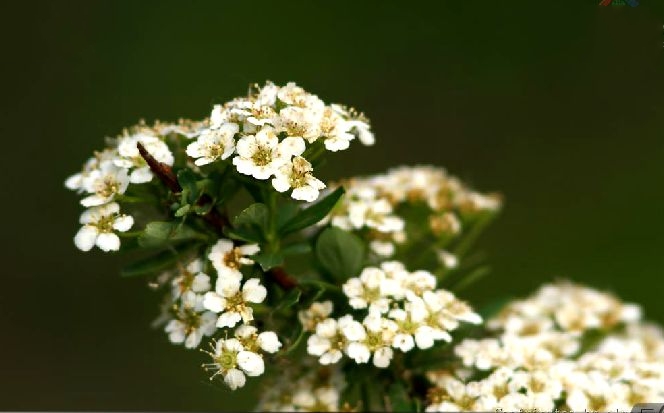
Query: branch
x=165, y=174
x=281, y=277
x=163, y=171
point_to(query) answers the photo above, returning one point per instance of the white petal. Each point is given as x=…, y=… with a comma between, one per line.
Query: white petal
x=214, y=302
x=140, y=175
x=193, y=339
x=281, y=183
x=108, y=241
x=251, y=363
x=253, y=291
x=249, y=249
x=305, y=193
x=269, y=342
x=201, y=283
x=228, y=319
x=234, y=378
x=358, y=352
x=123, y=223
x=382, y=357
x=292, y=146
x=85, y=238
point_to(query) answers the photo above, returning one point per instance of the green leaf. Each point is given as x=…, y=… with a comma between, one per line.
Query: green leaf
x=313, y=214
x=299, y=335
x=252, y=222
x=182, y=211
x=399, y=399
x=340, y=253
x=159, y=233
x=290, y=299
x=269, y=260
x=155, y=263
x=242, y=234
x=296, y=249
x=187, y=180
x=286, y=212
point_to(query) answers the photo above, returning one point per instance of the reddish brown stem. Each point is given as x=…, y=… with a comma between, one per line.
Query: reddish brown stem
x=281, y=277
x=163, y=171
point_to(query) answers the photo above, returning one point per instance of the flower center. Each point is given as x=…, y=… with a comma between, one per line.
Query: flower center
x=108, y=187
x=227, y=360
x=232, y=258
x=105, y=224
x=262, y=156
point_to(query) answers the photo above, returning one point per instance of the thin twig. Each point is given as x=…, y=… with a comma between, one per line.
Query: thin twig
x=281, y=277
x=163, y=171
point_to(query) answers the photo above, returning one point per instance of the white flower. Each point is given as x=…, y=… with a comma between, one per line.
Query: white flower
x=297, y=175
x=231, y=303
x=317, y=312
x=335, y=130
x=268, y=342
x=252, y=340
x=131, y=158
x=231, y=360
x=213, y=144
x=362, y=130
x=260, y=155
x=227, y=259
x=326, y=343
x=299, y=122
x=370, y=290
x=190, y=278
x=192, y=322
x=99, y=226
x=104, y=184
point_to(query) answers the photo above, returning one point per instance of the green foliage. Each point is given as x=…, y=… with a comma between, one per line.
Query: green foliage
x=156, y=263
x=269, y=260
x=340, y=253
x=157, y=234
x=313, y=214
x=251, y=224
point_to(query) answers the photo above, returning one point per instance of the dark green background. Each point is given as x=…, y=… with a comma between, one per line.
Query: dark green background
x=557, y=104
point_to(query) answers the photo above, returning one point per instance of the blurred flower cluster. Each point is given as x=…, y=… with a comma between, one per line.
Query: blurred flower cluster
x=567, y=347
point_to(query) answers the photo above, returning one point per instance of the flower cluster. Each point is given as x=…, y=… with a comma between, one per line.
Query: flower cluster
x=107, y=175
x=230, y=302
x=403, y=310
x=379, y=206
x=308, y=389
x=276, y=132
x=567, y=347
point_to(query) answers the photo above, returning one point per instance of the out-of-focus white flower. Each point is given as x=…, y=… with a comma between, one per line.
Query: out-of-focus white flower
x=213, y=144
x=231, y=303
x=317, y=312
x=227, y=258
x=190, y=278
x=327, y=342
x=99, y=226
x=191, y=322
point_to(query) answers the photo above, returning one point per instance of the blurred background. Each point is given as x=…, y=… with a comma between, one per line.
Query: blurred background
x=559, y=105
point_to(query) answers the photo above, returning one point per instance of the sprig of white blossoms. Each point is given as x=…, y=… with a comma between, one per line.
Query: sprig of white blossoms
x=403, y=311
x=108, y=174
x=270, y=130
x=539, y=360
x=308, y=389
x=372, y=202
x=188, y=320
